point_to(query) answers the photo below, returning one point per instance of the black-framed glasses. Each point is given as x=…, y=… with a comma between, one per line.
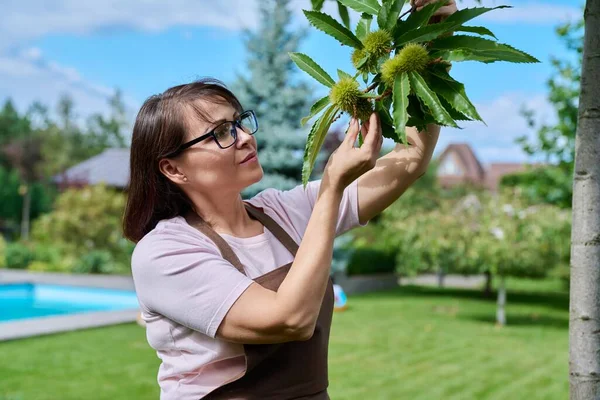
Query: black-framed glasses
x=225, y=134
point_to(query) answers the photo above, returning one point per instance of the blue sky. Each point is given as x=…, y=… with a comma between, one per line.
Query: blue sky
x=145, y=47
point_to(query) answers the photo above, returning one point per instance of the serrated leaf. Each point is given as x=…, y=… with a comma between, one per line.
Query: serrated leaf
x=307, y=64
x=467, y=14
x=364, y=26
x=315, y=109
x=369, y=95
x=401, y=91
x=419, y=116
x=424, y=34
x=389, y=13
x=362, y=6
x=342, y=74
x=315, y=141
x=430, y=99
x=365, y=77
x=480, y=30
x=463, y=47
x=387, y=124
x=362, y=61
x=453, y=92
x=317, y=5
x=420, y=18
x=456, y=115
x=330, y=26
x=343, y=11
x=464, y=55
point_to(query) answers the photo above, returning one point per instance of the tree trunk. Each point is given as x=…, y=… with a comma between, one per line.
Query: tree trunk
x=487, y=290
x=26, y=212
x=441, y=274
x=584, y=326
x=500, y=308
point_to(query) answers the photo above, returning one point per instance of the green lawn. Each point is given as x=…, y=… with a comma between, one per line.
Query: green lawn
x=410, y=343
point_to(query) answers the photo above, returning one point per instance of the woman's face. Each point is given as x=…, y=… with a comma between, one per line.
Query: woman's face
x=211, y=169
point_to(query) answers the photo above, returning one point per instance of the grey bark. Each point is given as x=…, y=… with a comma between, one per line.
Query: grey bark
x=501, y=304
x=487, y=290
x=584, y=320
x=26, y=213
x=441, y=274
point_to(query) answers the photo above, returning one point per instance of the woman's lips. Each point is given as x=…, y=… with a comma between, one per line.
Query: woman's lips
x=249, y=160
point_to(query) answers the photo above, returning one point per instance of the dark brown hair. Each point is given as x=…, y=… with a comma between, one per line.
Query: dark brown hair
x=160, y=127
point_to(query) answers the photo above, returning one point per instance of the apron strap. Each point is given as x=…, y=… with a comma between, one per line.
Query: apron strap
x=274, y=227
x=226, y=251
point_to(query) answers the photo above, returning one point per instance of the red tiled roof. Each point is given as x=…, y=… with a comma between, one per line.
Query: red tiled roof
x=474, y=173
x=472, y=168
x=496, y=171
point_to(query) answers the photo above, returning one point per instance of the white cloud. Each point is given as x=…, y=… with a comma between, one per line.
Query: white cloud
x=26, y=75
x=496, y=141
x=534, y=13
x=27, y=80
x=27, y=19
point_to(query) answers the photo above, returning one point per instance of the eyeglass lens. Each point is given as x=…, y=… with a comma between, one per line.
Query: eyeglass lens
x=226, y=133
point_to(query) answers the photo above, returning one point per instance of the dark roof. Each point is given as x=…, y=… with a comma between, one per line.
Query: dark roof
x=110, y=167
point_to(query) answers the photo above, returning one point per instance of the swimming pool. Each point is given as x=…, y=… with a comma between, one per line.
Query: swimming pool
x=21, y=301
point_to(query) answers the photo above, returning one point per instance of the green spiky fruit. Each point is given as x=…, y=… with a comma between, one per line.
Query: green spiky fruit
x=364, y=109
x=358, y=55
x=412, y=57
x=378, y=43
x=345, y=94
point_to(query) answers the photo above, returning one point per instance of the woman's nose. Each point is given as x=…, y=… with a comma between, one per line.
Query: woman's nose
x=243, y=137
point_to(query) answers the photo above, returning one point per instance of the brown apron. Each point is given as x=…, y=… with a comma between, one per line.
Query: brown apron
x=292, y=370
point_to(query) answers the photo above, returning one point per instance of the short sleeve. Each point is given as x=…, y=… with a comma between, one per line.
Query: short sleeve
x=294, y=207
x=185, y=278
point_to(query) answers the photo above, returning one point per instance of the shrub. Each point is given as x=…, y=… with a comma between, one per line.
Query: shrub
x=86, y=221
x=364, y=261
x=95, y=262
x=41, y=266
x=18, y=256
x=2, y=252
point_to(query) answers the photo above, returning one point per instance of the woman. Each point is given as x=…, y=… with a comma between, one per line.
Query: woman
x=236, y=296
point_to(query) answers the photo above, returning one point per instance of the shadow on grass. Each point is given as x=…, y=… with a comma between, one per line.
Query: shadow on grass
x=555, y=300
x=530, y=319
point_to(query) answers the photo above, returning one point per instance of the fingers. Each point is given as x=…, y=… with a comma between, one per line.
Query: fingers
x=445, y=11
x=352, y=133
x=372, y=137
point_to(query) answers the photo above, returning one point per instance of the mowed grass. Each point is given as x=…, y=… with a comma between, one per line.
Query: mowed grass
x=409, y=343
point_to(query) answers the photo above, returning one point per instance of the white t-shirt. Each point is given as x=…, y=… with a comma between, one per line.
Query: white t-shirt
x=185, y=287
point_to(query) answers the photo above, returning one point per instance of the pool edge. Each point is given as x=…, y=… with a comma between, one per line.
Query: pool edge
x=25, y=328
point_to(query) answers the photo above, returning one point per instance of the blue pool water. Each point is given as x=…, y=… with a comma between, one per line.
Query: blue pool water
x=25, y=300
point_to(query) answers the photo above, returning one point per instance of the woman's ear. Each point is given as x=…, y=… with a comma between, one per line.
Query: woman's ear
x=171, y=170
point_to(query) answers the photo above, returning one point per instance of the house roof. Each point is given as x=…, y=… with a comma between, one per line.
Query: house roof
x=473, y=170
x=496, y=171
x=110, y=167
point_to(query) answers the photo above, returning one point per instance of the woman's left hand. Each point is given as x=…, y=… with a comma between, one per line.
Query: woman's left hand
x=440, y=15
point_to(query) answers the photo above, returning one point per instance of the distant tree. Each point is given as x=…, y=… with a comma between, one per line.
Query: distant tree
x=25, y=156
x=12, y=126
x=279, y=100
x=556, y=142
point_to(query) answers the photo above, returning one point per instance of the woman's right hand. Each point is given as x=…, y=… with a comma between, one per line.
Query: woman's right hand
x=347, y=162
